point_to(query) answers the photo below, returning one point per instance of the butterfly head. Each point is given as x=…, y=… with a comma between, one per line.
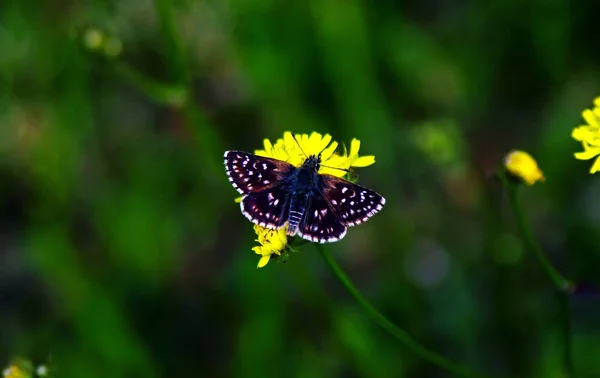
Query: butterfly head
x=313, y=162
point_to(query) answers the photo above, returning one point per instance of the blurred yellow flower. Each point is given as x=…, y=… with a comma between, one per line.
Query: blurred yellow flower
x=589, y=136
x=18, y=369
x=523, y=166
x=272, y=242
x=93, y=38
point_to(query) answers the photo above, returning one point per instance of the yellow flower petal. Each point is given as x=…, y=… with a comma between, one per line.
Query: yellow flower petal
x=590, y=118
x=336, y=165
x=295, y=154
x=315, y=138
x=268, y=145
x=288, y=139
x=263, y=261
x=354, y=146
x=328, y=152
x=337, y=161
x=588, y=153
x=332, y=171
x=312, y=144
x=595, y=167
x=581, y=133
x=354, y=160
x=364, y=161
x=317, y=143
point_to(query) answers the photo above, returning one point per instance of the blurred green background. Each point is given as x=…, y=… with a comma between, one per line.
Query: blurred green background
x=122, y=253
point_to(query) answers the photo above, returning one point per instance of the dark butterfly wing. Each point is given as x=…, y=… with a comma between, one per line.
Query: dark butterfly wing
x=268, y=208
x=352, y=204
x=250, y=173
x=320, y=224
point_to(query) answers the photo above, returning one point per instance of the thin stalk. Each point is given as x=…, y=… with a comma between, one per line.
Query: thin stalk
x=563, y=298
x=175, y=96
x=559, y=282
x=562, y=285
x=398, y=333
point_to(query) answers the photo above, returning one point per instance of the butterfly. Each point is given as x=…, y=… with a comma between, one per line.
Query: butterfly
x=317, y=207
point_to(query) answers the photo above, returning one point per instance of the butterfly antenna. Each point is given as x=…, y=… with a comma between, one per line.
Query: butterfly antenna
x=341, y=169
x=299, y=146
x=324, y=166
x=327, y=166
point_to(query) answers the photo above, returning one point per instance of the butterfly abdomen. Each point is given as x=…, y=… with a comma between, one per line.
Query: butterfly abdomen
x=297, y=209
x=294, y=221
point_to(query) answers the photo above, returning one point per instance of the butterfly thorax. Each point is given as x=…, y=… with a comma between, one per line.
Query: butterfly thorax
x=307, y=175
x=305, y=183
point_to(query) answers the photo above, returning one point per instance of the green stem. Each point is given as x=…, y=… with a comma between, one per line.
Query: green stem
x=559, y=282
x=563, y=299
x=391, y=328
x=175, y=96
x=562, y=285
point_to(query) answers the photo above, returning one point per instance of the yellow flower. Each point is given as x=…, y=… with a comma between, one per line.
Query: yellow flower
x=93, y=38
x=295, y=151
x=589, y=136
x=18, y=369
x=272, y=242
x=523, y=166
